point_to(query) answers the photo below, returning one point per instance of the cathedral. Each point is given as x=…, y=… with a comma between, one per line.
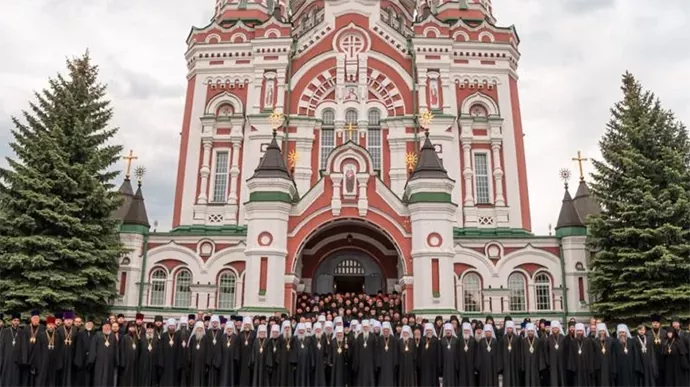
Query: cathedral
x=353, y=146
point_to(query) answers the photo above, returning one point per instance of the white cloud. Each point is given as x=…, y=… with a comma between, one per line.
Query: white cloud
x=573, y=54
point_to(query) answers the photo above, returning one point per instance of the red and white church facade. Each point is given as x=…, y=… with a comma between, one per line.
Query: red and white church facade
x=344, y=196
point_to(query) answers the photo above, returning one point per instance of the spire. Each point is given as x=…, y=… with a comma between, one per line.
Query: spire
x=136, y=213
x=272, y=164
x=429, y=165
x=568, y=216
x=585, y=203
x=127, y=193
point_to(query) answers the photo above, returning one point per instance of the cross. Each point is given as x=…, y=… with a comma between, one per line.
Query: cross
x=129, y=159
x=351, y=129
x=579, y=160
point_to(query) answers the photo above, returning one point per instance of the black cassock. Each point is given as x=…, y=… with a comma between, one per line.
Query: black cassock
x=488, y=362
x=214, y=355
x=646, y=361
x=103, y=358
x=511, y=359
x=554, y=354
x=197, y=361
x=302, y=360
x=47, y=359
x=260, y=363
x=624, y=362
x=338, y=358
x=532, y=360
x=603, y=371
x=387, y=360
x=465, y=357
x=282, y=374
x=246, y=345
x=407, y=359
x=448, y=359
x=580, y=362
x=31, y=334
x=182, y=355
x=129, y=360
x=320, y=351
x=150, y=351
x=429, y=366
x=675, y=358
x=657, y=337
x=363, y=361
x=13, y=353
x=228, y=369
x=81, y=357
x=168, y=362
x=68, y=337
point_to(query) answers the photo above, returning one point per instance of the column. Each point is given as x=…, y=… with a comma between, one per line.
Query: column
x=239, y=290
x=531, y=298
x=398, y=170
x=169, y=292
x=205, y=171
x=336, y=203
x=467, y=173
x=258, y=83
x=362, y=202
x=421, y=86
x=448, y=88
x=280, y=90
x=234, y=171
x=303, y=171
x=498, y=172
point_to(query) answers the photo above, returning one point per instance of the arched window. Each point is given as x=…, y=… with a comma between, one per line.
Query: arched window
x=542, y=288
x=350, y=120
x=516, y=285
x=226, y=290
x=158, y=281
x=374, y=137
x=327, y=135
x=472, y=292
x=183, y=291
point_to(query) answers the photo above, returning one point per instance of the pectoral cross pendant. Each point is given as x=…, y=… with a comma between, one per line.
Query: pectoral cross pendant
x=150, y=348
x=657, y=341
x=386, y=348
x=466, y=348
x=625, y=350
x=134, y=347
x=644, y=349
x=214, y=341
x=510, y=348
x=302, y=346
x=171, y=343
x=448, y=346
x=531, y=349
x=198, y=347
x=51, y=347
x=246, y=342
x=556, y=346
x=579, y=352
x=14, y=342
x=107, y=343
x=365, y=344
x=261, y=350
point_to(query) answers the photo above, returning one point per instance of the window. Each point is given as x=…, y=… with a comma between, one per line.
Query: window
x=220, y=178
x=226, y=290
x=158, y=281
x=472, y=292
x=350, y=125
x=183, y=291
x=327, y=136
x=581, y=288
x=516, y=285
x=374, y=137
x=349, y=267
x=542, y=287
x=481, y=178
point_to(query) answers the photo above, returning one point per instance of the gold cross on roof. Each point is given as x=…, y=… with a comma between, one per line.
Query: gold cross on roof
x=351, y=128
x=129, y=160
x=579, y=160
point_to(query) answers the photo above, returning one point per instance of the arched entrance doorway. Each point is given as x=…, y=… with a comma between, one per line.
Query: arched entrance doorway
x=348, y=271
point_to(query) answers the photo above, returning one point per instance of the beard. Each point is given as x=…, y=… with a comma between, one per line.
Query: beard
x=300, y=336
x=466, y=336
x=318, y=336
x=198, y=335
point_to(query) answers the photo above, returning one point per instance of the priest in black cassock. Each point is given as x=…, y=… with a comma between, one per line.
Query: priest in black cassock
x=448, y=356
x=129, y=356
x=624, y=359
x=214, y=351
x=246, y=344
x=67, y=334
x=658, y=334
x=13, y=351
x=603, y=371
x=488, y=359
x=580, y=358
x=168, y=362
x=149, y=358
x=196, y=356
x=282, y=374
x=261, y=359
x=302, y=356
x=511, y=355
x=339, y=356
x=81, y=354
x=31, y=333
x=407, y=359
x=646, y=366
x=103, y=356
x=554, y=354
x=184, y=334
x=675, y=355
x=427, y=356
x=466, y=348
x=320, y=351
x=387, y=356
x=364, y=362
x=533, y=362
x=47, y=356
x=230, y=344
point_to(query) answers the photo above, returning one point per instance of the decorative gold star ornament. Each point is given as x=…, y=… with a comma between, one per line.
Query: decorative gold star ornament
x=411, y=160
x=425, y=119
x=276, y=119
x=293, y=158
x=139, y=173
x=565, y=175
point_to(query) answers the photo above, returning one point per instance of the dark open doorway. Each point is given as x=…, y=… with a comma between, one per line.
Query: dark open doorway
x=349, y=284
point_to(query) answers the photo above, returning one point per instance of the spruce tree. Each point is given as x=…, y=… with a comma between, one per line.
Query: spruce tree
x=641, y=241
x=59, y=247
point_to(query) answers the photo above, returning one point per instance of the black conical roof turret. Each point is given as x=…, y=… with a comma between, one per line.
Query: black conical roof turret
x=585, y=203
x=136, y=214
x=568, y=216
x=429, y=165
x=272, y=164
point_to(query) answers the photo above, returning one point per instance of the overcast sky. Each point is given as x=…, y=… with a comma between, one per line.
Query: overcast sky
x=573, y=53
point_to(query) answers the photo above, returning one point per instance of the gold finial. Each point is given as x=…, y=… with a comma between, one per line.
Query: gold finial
x=129, y=160
x=293, y=158
x=139, y=172
x=276, y=119
x=351, y=130
x=565, y=174
x=411, y=160
x=579, y=160
x=425, y=119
